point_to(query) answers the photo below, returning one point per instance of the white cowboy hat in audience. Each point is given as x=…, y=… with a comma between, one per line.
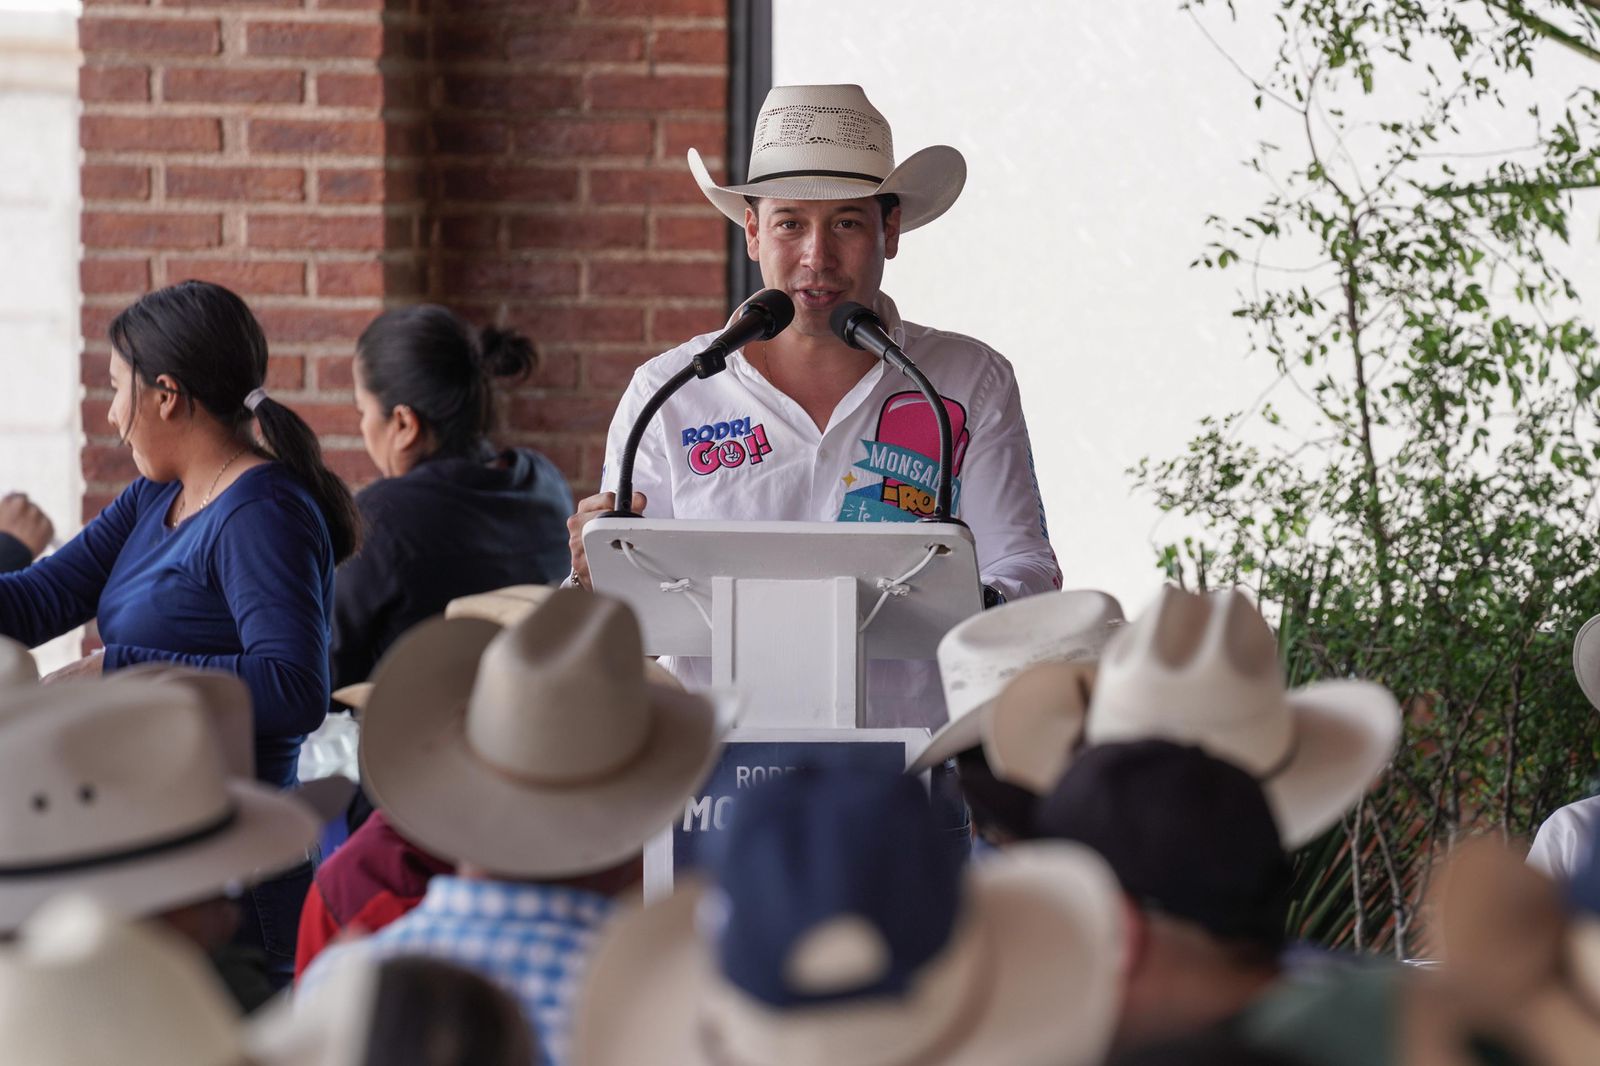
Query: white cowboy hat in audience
x=1586, y=659
x=17, y=665
x=542, y=750
x=504, y=607
x=81, y=986
x=119, y=788
x=1030, y=977
x=827, y=142
x=226, y=698
x=981, y=655
x=1204, y=670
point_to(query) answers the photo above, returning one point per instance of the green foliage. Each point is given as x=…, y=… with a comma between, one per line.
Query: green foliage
x=1426, y=521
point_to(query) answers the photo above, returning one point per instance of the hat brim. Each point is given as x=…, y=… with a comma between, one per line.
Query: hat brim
x=953, y=738
x=270, y=833
x=1048, y=913
x=927, y=183
x=1586, y=660
x=354, y=696
x=1345, y=734
x=417, y=766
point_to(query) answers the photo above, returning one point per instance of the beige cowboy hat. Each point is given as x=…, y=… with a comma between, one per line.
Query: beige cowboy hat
x=1586, y=659
x=82, y=986
x=1522, y=962
x=119, y=788
x=827, y=142
x=503, y=607
x=981, y=655
x=1030, y=977
x=226, y=698
x=17, y=665
x=551, y=726
x=1204, y=670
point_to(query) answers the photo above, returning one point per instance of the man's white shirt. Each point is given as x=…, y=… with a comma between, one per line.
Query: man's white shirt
x=734, y=447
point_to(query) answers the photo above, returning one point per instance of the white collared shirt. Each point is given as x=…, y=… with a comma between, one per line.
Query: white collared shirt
x=735, y=447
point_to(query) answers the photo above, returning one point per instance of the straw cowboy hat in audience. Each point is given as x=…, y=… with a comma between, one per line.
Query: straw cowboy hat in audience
x=1204, y=670
x=541, y=750
x=82, y=986
x=1586, y=659
x=978, y=657
x=839, y=938
x=827, y=142
x=1525, y=962
x=119, y=788
x=17, y=665
x=504, y=607
x=226, y=698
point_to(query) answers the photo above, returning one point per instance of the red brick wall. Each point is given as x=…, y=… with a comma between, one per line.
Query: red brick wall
x=521, y=160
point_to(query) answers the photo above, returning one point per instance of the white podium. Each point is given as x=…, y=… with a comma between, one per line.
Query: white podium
x=789, y=612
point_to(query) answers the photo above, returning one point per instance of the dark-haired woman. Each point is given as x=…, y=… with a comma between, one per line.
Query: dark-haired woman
x=220, y=555
x=450, y=516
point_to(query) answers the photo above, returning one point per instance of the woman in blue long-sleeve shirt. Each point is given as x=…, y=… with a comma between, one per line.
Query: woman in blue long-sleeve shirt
x=221, y=554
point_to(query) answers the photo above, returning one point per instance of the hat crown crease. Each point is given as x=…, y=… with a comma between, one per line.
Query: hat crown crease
x=561, y=697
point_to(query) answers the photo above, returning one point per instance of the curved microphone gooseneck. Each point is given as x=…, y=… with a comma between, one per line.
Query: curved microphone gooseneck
x=765, y=315
x=860, y=328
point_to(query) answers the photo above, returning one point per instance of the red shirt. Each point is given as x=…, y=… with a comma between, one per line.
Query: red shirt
x=375, y=877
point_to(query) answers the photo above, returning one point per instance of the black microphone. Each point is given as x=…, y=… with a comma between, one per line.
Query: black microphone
x=765, y=315
x=860, y=328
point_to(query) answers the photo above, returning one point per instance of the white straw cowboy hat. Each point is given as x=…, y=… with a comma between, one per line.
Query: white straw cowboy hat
x=17, y=665
x=226, y=698
x=827, y=142
x=1029, y=978
x=118, y=788
x=542, y=750
x=1586, y=659
x=1204, y=670
x=82, y=986
x=503, y=607
x=980, y=656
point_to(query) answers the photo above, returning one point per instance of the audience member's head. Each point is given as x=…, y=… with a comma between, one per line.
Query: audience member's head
x=539, y=752
x=80, y=986
x=1196, y=850
x=839, y=931
x=422, y=384
x=407, y=1010
x=192, y=359
x=977, y=659
x=122, y=789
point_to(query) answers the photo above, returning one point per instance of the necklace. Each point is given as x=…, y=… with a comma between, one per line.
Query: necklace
x=183, y=501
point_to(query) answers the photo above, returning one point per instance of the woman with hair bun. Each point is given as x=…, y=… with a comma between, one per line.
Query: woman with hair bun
x=450, y=516
x=220, y=555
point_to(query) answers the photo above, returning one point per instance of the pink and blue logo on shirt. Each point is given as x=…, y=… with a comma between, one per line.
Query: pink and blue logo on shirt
x=905, y=456
x=725, y=445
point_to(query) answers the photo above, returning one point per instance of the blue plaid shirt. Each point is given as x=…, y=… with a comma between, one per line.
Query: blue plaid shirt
x=533, y=940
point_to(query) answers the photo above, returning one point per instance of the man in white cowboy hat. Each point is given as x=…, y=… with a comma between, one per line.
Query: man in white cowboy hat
x=1563, y=841
x=140, y=791
x=829, y=939
x=538, y=758
x=977, y=661
x=803, y=427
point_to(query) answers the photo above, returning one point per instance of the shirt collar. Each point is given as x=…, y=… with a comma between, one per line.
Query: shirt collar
x=513, y=901
x=885, y=308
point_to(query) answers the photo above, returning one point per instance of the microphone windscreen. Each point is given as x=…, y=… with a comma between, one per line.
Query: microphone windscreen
x=844, y=319
x=775, y=307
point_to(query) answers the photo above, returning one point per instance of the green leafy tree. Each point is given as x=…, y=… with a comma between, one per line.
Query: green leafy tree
x=1422, y=513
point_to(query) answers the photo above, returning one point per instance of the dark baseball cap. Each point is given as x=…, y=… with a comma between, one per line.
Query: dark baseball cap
x=1187, y=834
x=822, y=844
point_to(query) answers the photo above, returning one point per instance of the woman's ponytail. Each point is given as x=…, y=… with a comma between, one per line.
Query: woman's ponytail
x=293, y=444
x=506, y=353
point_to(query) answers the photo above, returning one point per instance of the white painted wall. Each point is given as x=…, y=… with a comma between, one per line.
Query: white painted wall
x=40, y=435
x=1098, y=138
